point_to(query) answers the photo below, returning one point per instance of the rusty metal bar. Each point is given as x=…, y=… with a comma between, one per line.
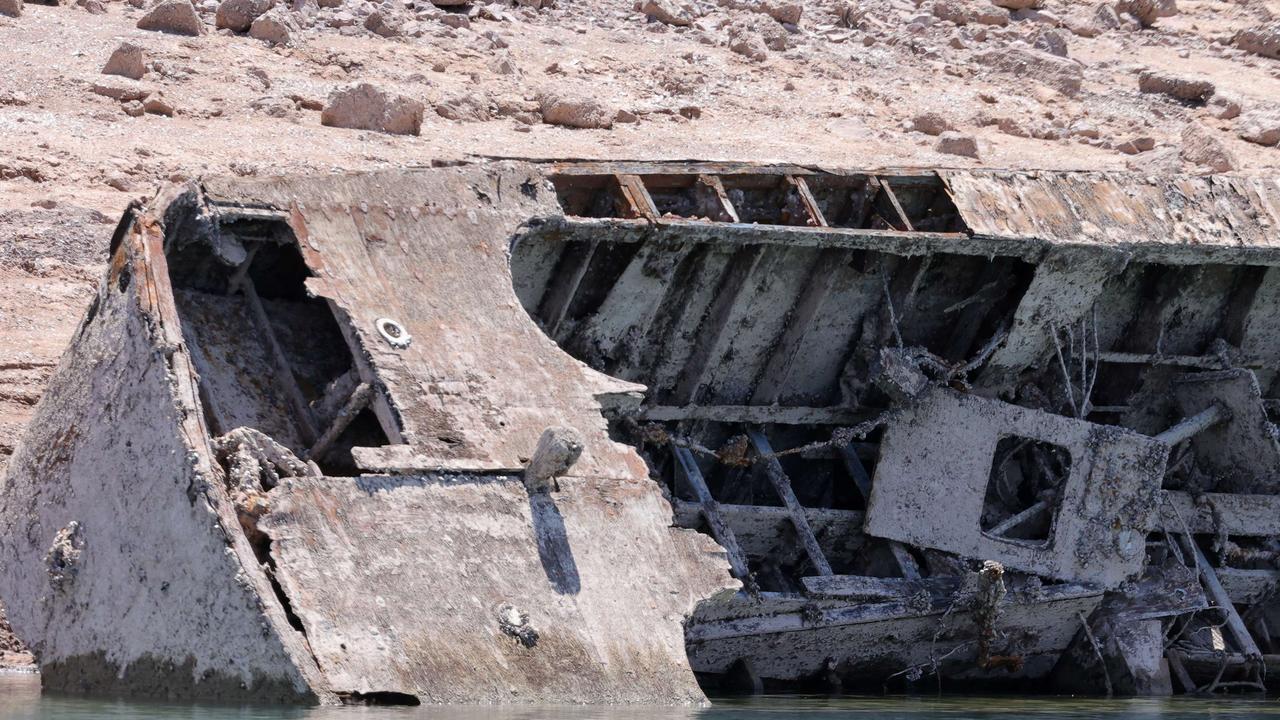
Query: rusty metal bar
x=782, y=484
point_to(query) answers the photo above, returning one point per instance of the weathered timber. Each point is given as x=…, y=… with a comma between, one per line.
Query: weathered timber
x=711, y=513
x=1237, y=513
x=1221, y=600
x=782, y=484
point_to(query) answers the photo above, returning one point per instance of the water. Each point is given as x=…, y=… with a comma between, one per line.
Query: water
x=20, y=699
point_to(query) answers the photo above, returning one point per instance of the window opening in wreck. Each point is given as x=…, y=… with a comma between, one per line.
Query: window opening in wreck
x=271, y=358
x=1024, y=489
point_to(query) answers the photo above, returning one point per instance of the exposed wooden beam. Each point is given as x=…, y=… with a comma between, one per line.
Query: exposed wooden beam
x=358, y=401
x=711, y=513
x=1238, y=513
x=637, y=196
x=284, y=371
x=714, y=190
x=753, y=414
x=821, y=274
x=807, y=199
x=897, y=206
x=859, y=587
x=782, y=484
x=732, y=282
x=558, y=296
x=1220, y=598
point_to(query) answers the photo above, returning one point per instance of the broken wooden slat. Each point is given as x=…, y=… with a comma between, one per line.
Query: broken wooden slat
x=782, y=484
x=358, y=401
x=808, y=200
x=753, y=414
x=1246, y=587
x=1209, y=362
x=715, y=189
x=710, y=511
x=637, y=196
x=859, y=587
x=301, y=409
x=1220, y=598
x=1239, y=514
x=897, y=206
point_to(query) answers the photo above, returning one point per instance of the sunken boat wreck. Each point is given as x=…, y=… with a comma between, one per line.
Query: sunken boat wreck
x=518, y=432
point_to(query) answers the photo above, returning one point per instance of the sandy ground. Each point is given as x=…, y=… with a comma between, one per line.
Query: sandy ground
x=845, y=87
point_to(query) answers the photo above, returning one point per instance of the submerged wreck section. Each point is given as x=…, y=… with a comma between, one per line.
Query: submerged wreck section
x=1006, y=431
x=591, y=432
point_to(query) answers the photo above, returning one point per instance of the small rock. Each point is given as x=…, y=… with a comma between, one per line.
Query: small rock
x=575, y=112
x=1146, y=12
x=930, y=124
x=1136, y=145
x=465, y=107
x=1201, y=146
x=275, y=27
x=1018, y=4
x=274, y=106
x=691, y=112
x=1225, y=107
x=1261, y=127
x=368, y=107
x=172, y=16
x=665, y=11
x=1053, y=42
x=1177, y=87
x=456, y=21
x=12, y=8
x=133, y=108
x=954, y=143
x=238, y=15
x=121, y=90
x=382, y=23
x=1263, y=40
x=156, y=104
x=748, y=44
x=119, y=180
x=128, y=60
x=787, y=13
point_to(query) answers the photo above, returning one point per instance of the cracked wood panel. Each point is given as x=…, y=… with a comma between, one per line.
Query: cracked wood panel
x=1191, y=213
x=480, y=381
x=399, y=582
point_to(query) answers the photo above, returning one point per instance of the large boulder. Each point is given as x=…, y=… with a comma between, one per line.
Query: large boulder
x=368, y=107
x=1261, y=127
x=238, y=15
x=575, y=111
x=172, y=16
x=1201, y=146
x=1263, y=40
x=665, y=11
x=1066, y=76
x=128, y=60
x=277, y=26
x=1178, y=87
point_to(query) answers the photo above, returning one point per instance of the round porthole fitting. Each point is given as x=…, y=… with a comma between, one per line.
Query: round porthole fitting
x=393, y=332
